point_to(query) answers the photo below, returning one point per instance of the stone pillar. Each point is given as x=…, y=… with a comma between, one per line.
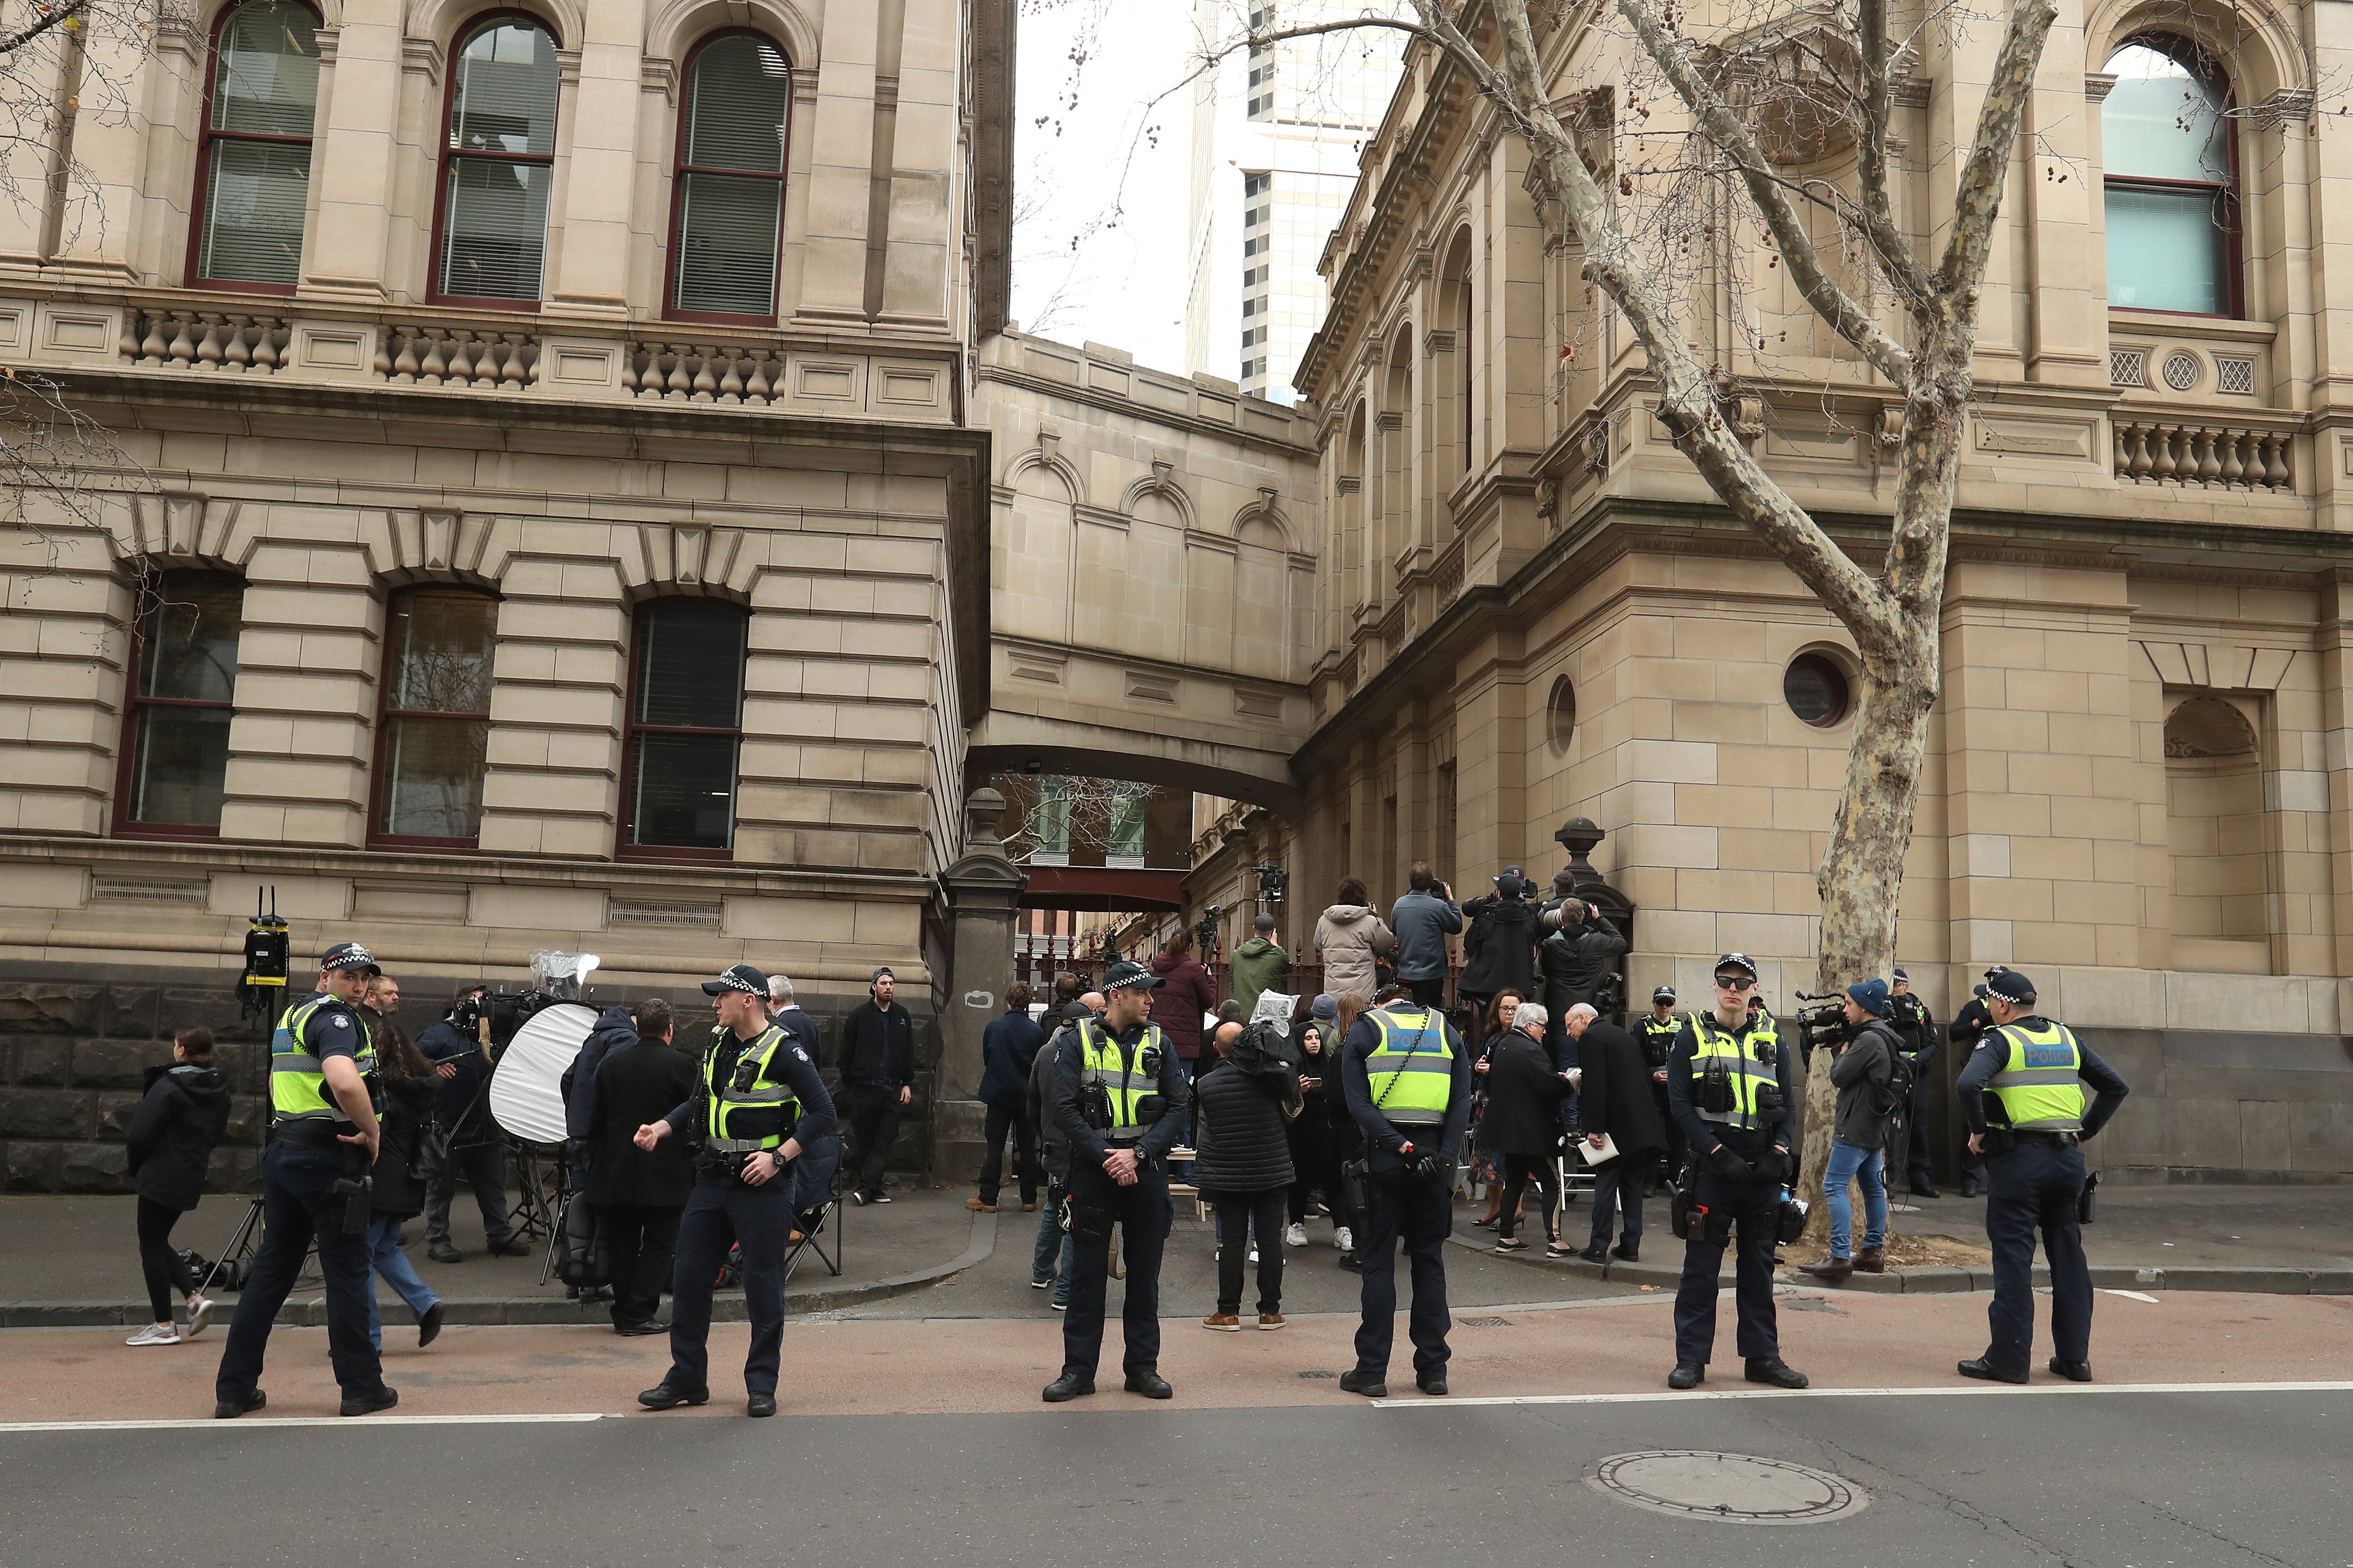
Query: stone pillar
x=982, y=888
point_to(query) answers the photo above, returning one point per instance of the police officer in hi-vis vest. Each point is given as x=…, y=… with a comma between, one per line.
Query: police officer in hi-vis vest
x=759, y=1103
x=322, y=1132
x=1729, y=1087
x=2022, y=1094
x=1408, y=1079
x=1119, y=1096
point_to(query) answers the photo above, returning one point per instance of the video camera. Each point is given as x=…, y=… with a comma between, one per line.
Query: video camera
x=1822, y=1023
x=556, y=977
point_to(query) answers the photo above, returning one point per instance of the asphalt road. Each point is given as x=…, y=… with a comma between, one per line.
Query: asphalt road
x=2088, y=1478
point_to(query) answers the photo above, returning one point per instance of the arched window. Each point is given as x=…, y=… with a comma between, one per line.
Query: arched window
x=176, y=724
x=728, y=196
x=253, y=162
x=433, y=729
x=2171, y=166
x=685, y=730
x=491, y=227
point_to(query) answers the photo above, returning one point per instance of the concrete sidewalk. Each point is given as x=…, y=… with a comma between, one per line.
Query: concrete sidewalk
x=2282, y=1240
x=71, y=1261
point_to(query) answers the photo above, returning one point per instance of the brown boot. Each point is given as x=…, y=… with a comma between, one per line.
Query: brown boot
x=1830, y=1270
x=1871, y=1260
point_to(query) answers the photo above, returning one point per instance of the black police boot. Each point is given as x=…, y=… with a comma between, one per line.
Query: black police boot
x=1595, y=1255
x=1971, y=1186
x=666, y=1395
x=1432, y=1383
x=2072, y=1371
x=1628, y=1251
x=1371, y=1385
x=1985, y=1371
x=1068, y=1386
x=429, y=1327
x=1772, y=1369
x=1924, y=1190
x=230, y=1409
x=760, y=1405
x=370, y=1403
x=1150, y=1385
x=1687, y=1375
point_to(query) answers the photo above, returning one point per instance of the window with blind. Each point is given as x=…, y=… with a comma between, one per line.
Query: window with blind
x=492, y=239
x=685, y=730
x=253, y=167
x=176, y=724
x=433, y=734
x=728, y=197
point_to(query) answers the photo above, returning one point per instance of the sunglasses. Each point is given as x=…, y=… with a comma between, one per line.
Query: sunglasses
x=1733, y=983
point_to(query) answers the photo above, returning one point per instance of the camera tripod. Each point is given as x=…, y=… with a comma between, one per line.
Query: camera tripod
x=241, y=1247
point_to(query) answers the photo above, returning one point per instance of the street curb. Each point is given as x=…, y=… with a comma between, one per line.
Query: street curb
x=1944, y=1280
x=509, y=1311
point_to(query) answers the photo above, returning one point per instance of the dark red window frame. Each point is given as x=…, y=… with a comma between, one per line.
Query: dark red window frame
x=2229, y=234
x=385, y=712
x=679, y=168
x=132, y=703
x=449, y=156
x=207, y=136
x=630, y=729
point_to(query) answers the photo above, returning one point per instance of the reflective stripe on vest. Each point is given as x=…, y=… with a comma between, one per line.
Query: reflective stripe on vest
x=297, y=1081
x=1671, y=1026
x=1740, y=1058
x=1103, y=1065
x=745, y=1120
x=1410, y=1084
x=2041, y=1083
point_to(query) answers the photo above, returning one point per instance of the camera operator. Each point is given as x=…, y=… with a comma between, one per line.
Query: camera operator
x=1408, y=1082
x=760, y=1095
x=1728, y=1085
x=1862, y=1072
x=468, y=1140
x=322, y=1138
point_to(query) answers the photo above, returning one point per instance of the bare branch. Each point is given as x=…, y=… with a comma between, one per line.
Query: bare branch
x=1978, y=200
x=1897, y=260
x=11, y=42
x=1833, y=303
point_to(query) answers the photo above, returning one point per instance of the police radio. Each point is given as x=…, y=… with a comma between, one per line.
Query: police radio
x=262, y=987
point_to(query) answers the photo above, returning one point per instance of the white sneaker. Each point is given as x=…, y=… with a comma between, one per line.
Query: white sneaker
x=1342, y=1239
x=1253, y=1255
x=1295, y=1237
x=200, y=1316
x=155, y=1334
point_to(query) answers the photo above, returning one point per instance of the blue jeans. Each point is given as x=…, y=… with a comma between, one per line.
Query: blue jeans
x=1049, y=1257
x=392, y=1266
x=1850, y=1162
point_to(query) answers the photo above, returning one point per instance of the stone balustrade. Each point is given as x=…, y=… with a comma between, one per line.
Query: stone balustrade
x=203, y=340
x=669, y=371
x=2212, y=455
x=457, y=356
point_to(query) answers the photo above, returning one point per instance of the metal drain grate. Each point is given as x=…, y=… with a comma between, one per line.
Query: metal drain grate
x=1484, y=1322
x=1740, y=1488
x=1319, y=1375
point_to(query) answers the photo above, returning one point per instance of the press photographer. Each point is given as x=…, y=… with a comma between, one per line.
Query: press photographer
x=466, y=1142
x=1864, y=1072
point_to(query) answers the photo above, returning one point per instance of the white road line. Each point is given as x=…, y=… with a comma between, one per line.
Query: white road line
x=2132, y=1296
x=250, y=1421
x=1426, y=1404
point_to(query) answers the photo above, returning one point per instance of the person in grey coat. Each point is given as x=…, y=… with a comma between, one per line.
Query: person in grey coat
x=1861, y=1072
x=1422, y=921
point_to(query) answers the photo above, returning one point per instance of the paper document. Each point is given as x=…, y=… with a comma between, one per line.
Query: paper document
x=1601, y=1156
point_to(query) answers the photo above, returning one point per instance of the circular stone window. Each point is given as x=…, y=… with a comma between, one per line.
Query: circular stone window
x=2180, y=369
x=1560, y=715
x=1818, y=691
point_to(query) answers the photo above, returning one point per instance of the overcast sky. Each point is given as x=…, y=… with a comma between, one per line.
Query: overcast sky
x=1124, y=283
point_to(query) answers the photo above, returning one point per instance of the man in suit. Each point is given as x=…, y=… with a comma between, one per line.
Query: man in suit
x=1615, y=1104
x=637, y=1194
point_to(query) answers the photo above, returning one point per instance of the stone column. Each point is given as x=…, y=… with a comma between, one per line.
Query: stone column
x=982, y=888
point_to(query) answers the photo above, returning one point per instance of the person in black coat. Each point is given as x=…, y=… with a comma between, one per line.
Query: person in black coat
x=1577, y=960
x=637, y=1194
x=1522, y=1123
x=1009, y=1049
x=878, y=1078
x=1244, y=1166
x=1499, y=953
x=170, y=1143
x=1617, y=1103
x=468, y=1138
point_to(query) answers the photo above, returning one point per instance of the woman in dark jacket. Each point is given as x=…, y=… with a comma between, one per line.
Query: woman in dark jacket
x=1185, y=993
x=410, y=1090
x=170, y=1143
x=1309, y=1133
x=1244, y=1166
x=1486, y=1170
x=1523, y=1123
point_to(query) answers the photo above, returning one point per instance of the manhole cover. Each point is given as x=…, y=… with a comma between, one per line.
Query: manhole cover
x=1484, y=1322
x=1319, y=1375
x=1741, y=1488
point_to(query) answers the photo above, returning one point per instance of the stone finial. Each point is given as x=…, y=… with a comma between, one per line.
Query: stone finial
x=981, y=814
x=1579, y=836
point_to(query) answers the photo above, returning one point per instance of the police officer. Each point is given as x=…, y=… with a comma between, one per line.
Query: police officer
x=1657, y=1033
x=1729, y=1087
x=759, y=1103
x=2027, y=1076
x=1915, y=1030
x=1121, y=1099
x=323, y=1131
x=1969, y=1026
x=1408, y=1082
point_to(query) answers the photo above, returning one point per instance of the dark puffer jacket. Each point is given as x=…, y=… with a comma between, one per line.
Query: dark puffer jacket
x=1243, y=1145
x=1500, y=952
x=399, y=1189
x=171, y=1134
